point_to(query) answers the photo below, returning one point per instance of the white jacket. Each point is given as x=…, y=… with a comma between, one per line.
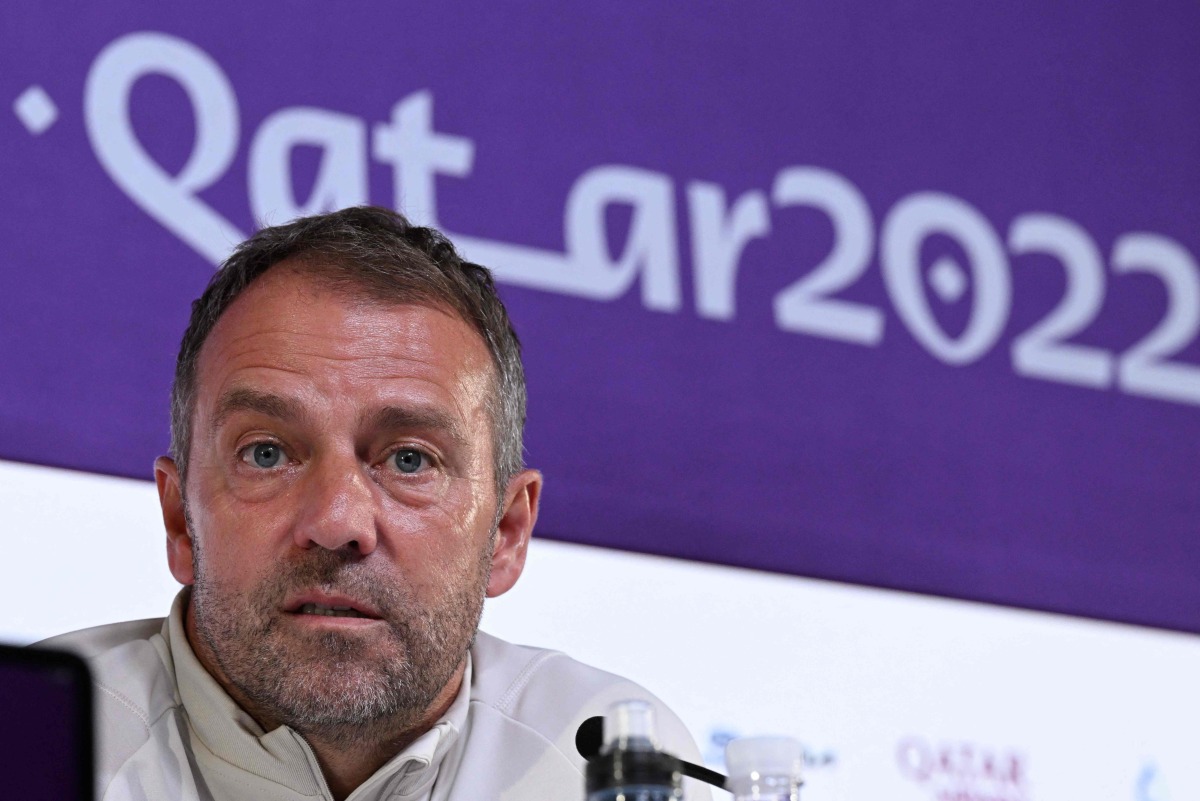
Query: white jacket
x=166, y=729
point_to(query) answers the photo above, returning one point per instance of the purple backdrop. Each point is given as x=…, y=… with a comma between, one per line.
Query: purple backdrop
x=990, y=390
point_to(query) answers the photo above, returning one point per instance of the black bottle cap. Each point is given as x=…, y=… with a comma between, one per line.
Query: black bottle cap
x=626, y=768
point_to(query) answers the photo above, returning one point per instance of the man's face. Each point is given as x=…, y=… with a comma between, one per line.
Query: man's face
x=340, y=525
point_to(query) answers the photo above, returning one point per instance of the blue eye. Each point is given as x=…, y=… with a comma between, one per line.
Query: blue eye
x=408, y=460
x=266, y=454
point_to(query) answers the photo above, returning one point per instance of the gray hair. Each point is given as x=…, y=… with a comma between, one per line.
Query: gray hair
x=377, y=253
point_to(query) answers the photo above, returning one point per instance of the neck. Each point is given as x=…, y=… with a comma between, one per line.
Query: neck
x=348, y=757
x=348, y=754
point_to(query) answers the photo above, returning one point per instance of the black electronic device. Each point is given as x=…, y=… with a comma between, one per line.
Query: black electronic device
x=46, y=734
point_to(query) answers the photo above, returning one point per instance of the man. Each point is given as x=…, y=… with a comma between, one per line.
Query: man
x=345, y=487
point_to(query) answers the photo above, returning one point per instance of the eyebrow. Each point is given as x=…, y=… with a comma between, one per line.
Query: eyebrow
x=251, y=400
x=388, y=418
x=402, y=418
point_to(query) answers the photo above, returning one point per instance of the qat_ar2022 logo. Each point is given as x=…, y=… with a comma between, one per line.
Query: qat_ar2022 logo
x=963, y=771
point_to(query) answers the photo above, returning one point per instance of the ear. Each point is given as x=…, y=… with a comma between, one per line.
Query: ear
x=512, y=534
x=180, y=556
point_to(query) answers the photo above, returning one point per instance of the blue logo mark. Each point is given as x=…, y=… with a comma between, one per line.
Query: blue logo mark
x=1150, y=784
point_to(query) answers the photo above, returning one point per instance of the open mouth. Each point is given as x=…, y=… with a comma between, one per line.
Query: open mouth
x=322, y=604
x=329, y=611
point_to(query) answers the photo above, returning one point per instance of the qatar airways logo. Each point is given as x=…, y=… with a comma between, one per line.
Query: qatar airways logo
x=963, y=771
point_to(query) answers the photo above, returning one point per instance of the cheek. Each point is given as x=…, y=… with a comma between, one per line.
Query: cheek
x=246, y=487
x=457, y=510
x=231, y=546
x=442, y=540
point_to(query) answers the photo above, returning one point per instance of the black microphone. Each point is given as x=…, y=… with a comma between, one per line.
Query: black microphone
x=590, y=737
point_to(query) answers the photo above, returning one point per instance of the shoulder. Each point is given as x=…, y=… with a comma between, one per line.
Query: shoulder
x=538, y=686
x=130, y=663
x=528, y=703
x=134, y=682
x=98, y=639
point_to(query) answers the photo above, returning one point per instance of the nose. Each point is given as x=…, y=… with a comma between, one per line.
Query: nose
x=338, y=507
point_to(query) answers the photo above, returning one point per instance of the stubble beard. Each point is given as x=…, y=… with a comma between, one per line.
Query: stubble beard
x=338, y=687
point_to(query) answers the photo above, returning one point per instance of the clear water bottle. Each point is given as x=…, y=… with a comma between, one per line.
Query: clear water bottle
x=764, y=768
x=630, y=766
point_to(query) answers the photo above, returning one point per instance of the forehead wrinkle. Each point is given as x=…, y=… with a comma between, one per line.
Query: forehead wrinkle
x=242, y=399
